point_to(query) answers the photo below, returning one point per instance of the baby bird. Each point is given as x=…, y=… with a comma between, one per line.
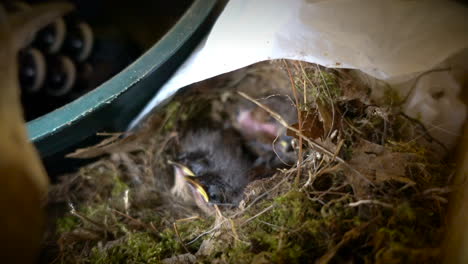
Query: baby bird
x=212, y=169
x=265, y=136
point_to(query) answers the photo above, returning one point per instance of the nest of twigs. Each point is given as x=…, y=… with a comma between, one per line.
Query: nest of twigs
x=370, y=184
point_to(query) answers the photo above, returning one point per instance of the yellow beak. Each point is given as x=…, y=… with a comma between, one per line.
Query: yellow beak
x=185, y=169
x=199, y=188
x=189, y=177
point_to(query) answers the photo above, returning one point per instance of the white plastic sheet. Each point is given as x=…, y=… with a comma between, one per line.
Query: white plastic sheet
x=391, y=40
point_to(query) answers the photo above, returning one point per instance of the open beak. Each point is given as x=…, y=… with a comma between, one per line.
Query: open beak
x=185, y=170
x=190, y=177
x=199, y=188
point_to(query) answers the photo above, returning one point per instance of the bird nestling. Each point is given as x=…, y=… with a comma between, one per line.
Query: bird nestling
x=212, y=169
x=264, y=135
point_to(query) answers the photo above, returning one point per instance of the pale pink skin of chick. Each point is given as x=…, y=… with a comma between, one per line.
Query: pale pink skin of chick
x=252, y=127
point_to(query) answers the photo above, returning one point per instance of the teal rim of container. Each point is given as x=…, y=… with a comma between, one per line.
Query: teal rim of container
x=112, y=105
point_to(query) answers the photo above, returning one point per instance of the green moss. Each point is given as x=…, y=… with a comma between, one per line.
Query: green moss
x=291, y=232
x=405, y=212
x=408, y=235
x=67, y=223
x=136, y=248
x=189, y=229
x=171, y=118
x=143, y=247
x=408, y=147
x=119, y=187
x=397, y=253
x=241, y=253
x=320, y=85
x=397, y=249
x=391, y=97
x=328, y=84
x=95, y=211
x=424, y=168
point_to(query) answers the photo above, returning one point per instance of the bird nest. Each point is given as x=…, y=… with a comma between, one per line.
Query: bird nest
x=369, y=185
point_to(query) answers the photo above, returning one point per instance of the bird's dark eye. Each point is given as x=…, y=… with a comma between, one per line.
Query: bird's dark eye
x=286, y=143
x=196, y=161
x=199, y=167
x=216, y=194
x=214, y=197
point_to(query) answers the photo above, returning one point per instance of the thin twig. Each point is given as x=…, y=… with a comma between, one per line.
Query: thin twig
x=370, y=202
x=233, y=228
x=270, y=224
x=207, y=232
x=130, y=218
x=299, y=121
x=261, y=196
x=238, y=213
x=86, y=219
x=440, y=199
x=329, y=98
x=178, y=236
x=188, y=218
x=438, y=190
x=425, y=131
x=417, y=79
x=259, y=214
x=273, y=147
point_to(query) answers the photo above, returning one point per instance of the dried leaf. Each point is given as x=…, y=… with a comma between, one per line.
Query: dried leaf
x=379, y=164
x=312, y=127
x=97, y=150
x=115, y=143
x=328, y=118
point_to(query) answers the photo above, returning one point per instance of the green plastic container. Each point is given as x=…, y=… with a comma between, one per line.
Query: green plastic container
x=111, y=106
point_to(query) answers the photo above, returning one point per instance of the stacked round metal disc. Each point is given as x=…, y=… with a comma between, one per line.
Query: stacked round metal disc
x=54, y=67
